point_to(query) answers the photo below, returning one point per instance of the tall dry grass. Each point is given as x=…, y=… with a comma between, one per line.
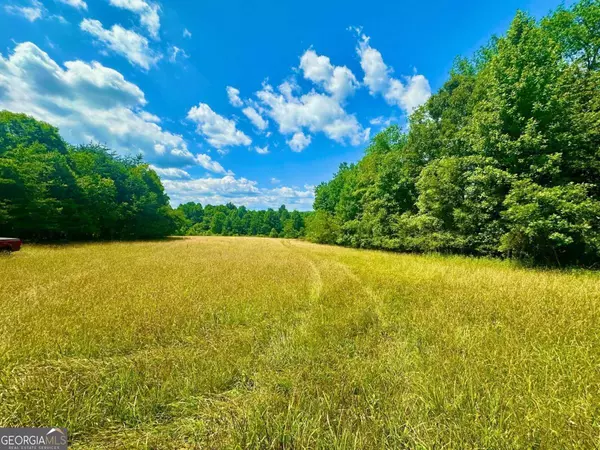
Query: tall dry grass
x=264, y=343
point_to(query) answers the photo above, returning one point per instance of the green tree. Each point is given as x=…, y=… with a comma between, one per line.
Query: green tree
x=218, y=223
x=323, y=228
x=559, y=225
x=288, y=229
x=192, y=211
x=503, y=158
x=51, y=190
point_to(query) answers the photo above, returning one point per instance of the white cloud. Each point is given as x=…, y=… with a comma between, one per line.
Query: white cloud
x=378, y=78
x=288, y=88
x=79, y=4
x=148, y=117
x=300, y=114
x=59, y=19
x=238, y=191
x=339, y=81
x=262, y=150
x=187, y=33
x=234, y=97
x=174, y=52
x=171, y=173
x=275, y=180
x=299, y=142
x=207, y=162
x=33, y=12
x=127, y=43
x=147, y=11
x=411, y=95
x=219, y=131
x=382, y=121
x=90, y=102
x=225, y=187
x=313, y=111
x=256, y=119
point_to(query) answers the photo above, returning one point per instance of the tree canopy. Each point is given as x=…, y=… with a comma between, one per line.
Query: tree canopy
x=50, y=190
x=504, y=159
x=229, y=220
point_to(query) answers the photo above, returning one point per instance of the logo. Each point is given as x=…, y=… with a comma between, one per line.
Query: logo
x=33, y=439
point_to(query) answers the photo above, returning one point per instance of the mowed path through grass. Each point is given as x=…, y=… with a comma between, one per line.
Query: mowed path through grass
x=265, y=343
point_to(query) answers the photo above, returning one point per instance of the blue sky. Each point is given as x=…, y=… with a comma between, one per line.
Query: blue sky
x=243, y=101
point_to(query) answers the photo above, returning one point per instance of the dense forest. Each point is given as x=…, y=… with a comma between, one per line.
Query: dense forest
x=503, y=160
x=51, y=190
x=229, y=220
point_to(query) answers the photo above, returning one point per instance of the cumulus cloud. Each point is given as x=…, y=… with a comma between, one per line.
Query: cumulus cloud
x=234, y=97
x=91, y=102
x=171, y=173
x=208, y=163
x=32, y=12
x=257, y=120
x=315, y=112
x=127, y=43
x=79, y=4
x=239, y=191
x=262, y=150
x=299, y=115
x=147, y=12
x=321, y=110
x=219, y=131
x=340, y=82
x=378, y=78
x=148, y=117
x=299, y=141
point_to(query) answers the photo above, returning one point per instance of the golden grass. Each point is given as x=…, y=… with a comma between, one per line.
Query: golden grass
x=264, y=343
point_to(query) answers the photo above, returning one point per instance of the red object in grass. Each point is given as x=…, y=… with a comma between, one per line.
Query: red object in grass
x=10, y=244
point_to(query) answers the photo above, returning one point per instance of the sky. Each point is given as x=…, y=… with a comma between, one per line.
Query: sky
x=248, y=102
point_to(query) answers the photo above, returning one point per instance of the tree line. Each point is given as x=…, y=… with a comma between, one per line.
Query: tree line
x=229, y=220
x=503, y=160
x=50, y=190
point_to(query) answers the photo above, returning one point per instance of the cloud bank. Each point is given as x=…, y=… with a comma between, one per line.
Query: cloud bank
x=91, y=102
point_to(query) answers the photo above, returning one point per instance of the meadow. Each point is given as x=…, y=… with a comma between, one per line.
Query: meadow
x=215, y=342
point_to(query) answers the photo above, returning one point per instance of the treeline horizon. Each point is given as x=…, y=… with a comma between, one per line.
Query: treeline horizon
x=230, y=220
x=504, y=160
x=51, y=190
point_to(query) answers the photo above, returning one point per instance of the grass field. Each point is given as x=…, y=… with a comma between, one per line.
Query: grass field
x=266, y=343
